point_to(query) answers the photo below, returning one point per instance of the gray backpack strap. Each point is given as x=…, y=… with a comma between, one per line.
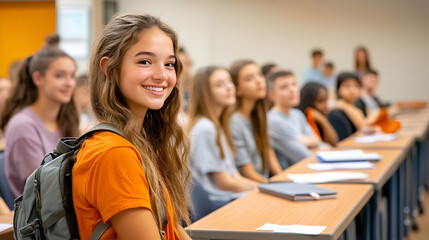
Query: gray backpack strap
x=106, y=127
x=100, y=127
x=99, y=230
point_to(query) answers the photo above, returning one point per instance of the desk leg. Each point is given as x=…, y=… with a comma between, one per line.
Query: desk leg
x=409, y=191
x=364, y=223
x=421, y=175
x=414, y=186
x=393, y=206
x=375, y=215
x=403, y=220
x=426, y=163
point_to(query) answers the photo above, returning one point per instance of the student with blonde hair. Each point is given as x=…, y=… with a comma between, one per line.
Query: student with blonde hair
x=38, y=112
x=138, y=183
x=254, y=156
x=212, y=150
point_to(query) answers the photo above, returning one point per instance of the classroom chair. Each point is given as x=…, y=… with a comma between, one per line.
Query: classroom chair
x=5, y=191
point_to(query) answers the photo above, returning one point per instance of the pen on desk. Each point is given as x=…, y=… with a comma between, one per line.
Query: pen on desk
x=315, y=195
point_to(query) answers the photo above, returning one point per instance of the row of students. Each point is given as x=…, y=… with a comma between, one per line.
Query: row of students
x=133, y=85
x=324, y=74
x=293, y=131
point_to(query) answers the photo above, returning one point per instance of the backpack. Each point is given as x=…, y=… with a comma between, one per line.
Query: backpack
x=45, y=210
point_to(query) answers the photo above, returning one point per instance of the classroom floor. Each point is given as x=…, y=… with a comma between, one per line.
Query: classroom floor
x=423, y=222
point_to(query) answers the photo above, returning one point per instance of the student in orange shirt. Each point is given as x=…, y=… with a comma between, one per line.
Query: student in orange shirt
x=314, y=104
x=138, y=183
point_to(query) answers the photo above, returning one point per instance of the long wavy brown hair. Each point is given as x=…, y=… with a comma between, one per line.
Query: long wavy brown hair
x=367, y=62
x=160, y=141
x=25, y=92
x=258, y=115
x=201, y=105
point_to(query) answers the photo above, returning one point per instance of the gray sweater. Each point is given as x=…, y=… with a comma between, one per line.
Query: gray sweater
x=284, y=130
x=205, y=159
x=245, y=145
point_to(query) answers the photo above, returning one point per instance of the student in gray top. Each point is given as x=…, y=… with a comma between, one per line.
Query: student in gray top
x=254, y=156
x=290, y=133
x=212, y=151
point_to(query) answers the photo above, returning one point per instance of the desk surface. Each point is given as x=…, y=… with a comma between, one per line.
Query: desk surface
x=378, y=176
x=403, y=141
x=414, y=122
x=8, y=233
x=241, y=218
x=415, y=126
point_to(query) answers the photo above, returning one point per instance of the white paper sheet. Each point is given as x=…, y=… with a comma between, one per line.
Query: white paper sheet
x=4, y=226
x=347, y=156
x=340, y=166
x=325, y=177
x=300, y=229
x=380, y=137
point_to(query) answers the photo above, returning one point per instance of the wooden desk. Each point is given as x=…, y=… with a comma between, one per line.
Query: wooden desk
x=403, y=141
x=414, y=125
x=378, y=176
x=419, y=131
x=241, y=218
x=8, y=233
x=414, y=121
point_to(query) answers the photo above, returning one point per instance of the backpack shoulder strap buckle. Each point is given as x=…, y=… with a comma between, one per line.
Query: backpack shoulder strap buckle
x=30, y=229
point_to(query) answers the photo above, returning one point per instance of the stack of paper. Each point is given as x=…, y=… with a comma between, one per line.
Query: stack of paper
x=327, y=177
x=300, y=229
x=340, y=166
x=347, y=156
x=380, y=137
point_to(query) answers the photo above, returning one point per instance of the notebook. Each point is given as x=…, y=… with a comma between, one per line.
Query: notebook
x=297, y=191
x=347, y=156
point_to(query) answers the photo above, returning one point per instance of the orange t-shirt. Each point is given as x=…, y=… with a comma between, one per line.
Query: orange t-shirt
x=312, y=122
x=108, y=178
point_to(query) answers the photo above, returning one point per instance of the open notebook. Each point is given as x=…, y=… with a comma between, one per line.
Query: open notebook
x=297, y=191
x=347, y=156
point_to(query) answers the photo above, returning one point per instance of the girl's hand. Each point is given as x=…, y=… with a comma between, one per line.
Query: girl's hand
x=318, y=116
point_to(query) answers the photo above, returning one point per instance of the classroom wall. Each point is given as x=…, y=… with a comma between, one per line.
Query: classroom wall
x=23, y=28
x=218, y=32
